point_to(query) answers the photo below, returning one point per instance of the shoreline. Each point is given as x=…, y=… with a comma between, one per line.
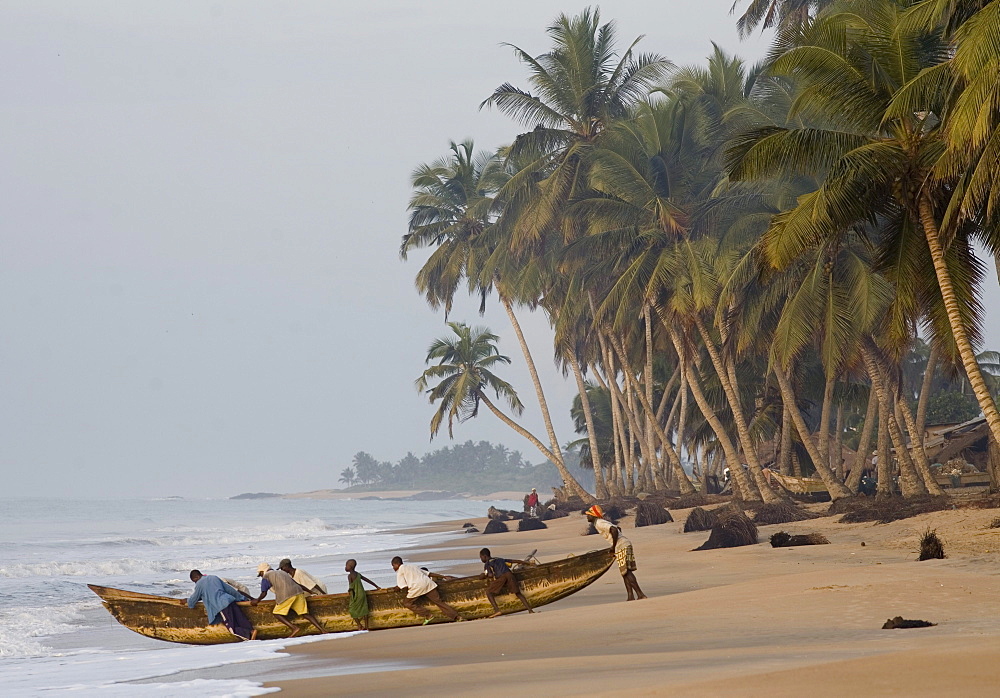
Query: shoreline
x=748, y=621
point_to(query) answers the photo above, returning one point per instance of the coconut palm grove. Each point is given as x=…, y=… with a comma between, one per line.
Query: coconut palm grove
x=744, y=265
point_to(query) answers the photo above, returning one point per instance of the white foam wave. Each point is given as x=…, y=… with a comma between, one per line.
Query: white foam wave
x=124, y=566
x=104, y=673
x=20, y=626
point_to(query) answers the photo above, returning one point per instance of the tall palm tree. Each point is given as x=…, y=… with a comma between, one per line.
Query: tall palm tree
x=463, y=375
x=579, y=89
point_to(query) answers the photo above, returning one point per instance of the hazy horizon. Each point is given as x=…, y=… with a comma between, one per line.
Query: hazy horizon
x=202, y=293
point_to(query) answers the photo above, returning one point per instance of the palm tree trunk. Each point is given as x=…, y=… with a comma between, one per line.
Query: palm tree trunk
x=824, y=419
x=861, y=460
x=588, y=416
x=965, y=350
x=656, y=465
x=925, y=392
x=837, y=451
x=747, y=490
x=909, y=484
x=585, y=496
x=742, y=430
x=571, y=482
x=683, y=482
x=785, y=462
x=883, y=471
x=833, y=485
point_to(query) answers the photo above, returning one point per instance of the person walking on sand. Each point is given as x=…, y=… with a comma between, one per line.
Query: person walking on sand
x=501, y=577
x=220, y=604
x=622, y=547
x=303, y=578
x=358, y=604
x=419, y=586
x=289, y=597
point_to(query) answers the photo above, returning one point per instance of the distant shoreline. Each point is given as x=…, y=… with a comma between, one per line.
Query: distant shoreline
x=387, y=495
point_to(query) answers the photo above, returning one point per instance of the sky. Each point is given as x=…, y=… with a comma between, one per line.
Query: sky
x=202, y=203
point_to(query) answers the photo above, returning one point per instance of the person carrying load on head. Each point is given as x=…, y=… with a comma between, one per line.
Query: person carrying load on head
x=622, y=547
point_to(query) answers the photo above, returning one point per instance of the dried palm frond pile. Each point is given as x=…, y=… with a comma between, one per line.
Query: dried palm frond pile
x=529, y=524
x=765, y=514
x=651, y=514
x=732, y=530
x=931, y=547
x=495, y=526
x=700, y=520
x=863, y=510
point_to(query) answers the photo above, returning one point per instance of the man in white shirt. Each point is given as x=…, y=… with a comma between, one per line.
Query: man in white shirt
x=622, y=547
x=304, y=579
x=419, y=586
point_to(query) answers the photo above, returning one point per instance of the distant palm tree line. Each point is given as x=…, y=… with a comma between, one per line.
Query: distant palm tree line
x=737, y=262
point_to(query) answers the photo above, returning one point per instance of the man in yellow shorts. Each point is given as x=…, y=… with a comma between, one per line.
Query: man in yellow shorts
x=289, y=597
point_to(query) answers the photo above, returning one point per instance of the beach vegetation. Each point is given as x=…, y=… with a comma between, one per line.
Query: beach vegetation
x=744, y=266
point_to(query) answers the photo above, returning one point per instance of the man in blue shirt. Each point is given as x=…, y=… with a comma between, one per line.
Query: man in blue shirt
x=220, y=604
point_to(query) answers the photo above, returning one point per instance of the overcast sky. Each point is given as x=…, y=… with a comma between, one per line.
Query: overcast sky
x=201, y=208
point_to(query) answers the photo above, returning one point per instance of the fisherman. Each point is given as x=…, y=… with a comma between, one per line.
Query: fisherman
x=358, y=604
x=220, y=604
x=306, y=580
x=289, y=597
x=497, y=570
x=533, y=502
x=622, y=547
x=418, y=586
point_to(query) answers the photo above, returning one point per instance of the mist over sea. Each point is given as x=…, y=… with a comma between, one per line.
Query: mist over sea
x=56, y=636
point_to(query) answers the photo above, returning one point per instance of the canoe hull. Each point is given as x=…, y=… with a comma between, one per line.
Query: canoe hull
x=167, y=618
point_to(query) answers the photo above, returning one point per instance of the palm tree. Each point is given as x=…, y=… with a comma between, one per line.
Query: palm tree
x=463, y=375
x=348, y=477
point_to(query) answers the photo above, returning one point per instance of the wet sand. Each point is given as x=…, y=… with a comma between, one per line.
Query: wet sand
x=751, y=621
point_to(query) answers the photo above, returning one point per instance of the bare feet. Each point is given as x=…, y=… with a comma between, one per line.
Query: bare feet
x=253, y=635
x=295, y=632
x=495, y=615
x=531, y=610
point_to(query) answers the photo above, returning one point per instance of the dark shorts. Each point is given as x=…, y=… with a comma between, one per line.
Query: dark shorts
x=505, y=582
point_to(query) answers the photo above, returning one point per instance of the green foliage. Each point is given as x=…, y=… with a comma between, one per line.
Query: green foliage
x=475, y=468
x=951, y=407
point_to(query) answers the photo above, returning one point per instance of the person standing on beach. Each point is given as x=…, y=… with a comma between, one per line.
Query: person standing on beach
x=303, y=578
x=418, y=585
x=498, y=571
x=622, y=547
x=533, y=502
x=358, y=604
x=220, y=604
x=289, y=597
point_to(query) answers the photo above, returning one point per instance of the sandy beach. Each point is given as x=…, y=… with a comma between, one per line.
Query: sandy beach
x=750, y=621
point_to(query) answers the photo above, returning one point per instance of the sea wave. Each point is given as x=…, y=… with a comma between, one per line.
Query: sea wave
x=124, y=566
x=19, y=627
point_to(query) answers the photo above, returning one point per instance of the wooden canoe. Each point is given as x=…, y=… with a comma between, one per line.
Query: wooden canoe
x=169, y=618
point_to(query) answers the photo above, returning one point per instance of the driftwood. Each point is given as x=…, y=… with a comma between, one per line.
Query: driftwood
x=899, y=622
x=786, y=540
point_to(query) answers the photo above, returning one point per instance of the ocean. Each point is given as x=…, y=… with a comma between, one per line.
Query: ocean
x=55, y=637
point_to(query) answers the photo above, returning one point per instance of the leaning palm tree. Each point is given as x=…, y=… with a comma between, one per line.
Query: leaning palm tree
x=463, y=375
